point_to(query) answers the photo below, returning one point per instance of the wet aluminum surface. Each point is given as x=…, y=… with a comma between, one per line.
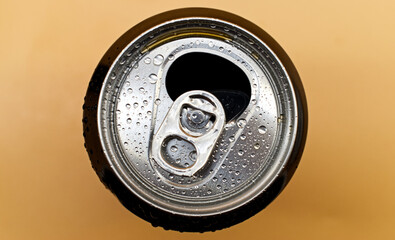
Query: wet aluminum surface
x=251, y=150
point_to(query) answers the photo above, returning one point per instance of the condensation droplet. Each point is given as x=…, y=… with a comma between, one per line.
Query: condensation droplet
x=171, y=57
x=153, y=78
x=241, y=152
x=158, y=60
x=173, y=148
x=129, y=120
x=241, y=123
x=257, y=146
x=192, y=155
x=262, y=129
x=157, y=101
x=231, y=139
x=128, y=106
x=113, y=75
x=147, y=60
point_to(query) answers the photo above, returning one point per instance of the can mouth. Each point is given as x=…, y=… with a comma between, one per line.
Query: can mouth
x=211, y=73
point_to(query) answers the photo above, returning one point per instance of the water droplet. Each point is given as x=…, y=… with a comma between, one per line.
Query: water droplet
x=147, y=60
x=130, y=90
x=128, y=106
x=231, y=139
x=241, y=123
x=262, y=129
x=129, y=120
x=173, y=148
x=141, y=90
x=158, y=60
x=192, y=155
x=153, y=78
x=135, y=105
x=209, y=191
x=197, y=42
x=241, y=152
x=113, y=76
x=171, y=57
x=145, y=102
x=157, y=101
x=215, y=179
x=243, y=137
x=221, y=48
x=257, y=146
x=211, y=44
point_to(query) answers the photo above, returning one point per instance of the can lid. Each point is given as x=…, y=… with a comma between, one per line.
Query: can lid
x=194, y=145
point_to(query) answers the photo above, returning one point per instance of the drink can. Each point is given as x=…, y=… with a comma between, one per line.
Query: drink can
x=195, y=119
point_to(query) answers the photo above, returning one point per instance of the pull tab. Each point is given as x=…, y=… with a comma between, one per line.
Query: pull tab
x=184, y=141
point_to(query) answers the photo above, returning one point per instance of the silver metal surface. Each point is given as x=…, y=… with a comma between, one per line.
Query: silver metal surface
x=248, y=153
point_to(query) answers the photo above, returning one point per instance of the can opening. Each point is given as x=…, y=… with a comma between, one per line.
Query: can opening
x=211, y=73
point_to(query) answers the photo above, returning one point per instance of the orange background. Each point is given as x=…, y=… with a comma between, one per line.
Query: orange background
x=343, y=188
